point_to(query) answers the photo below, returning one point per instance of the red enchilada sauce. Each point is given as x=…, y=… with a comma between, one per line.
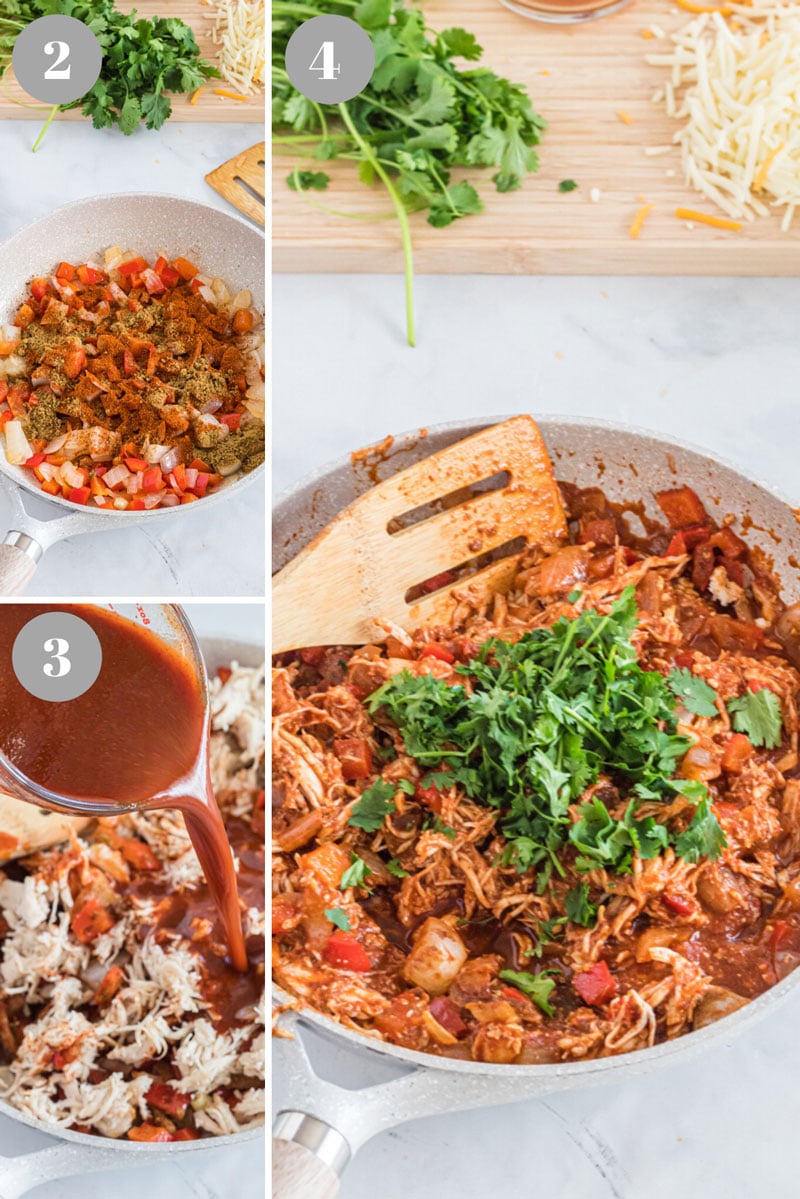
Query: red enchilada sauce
x=130, y=738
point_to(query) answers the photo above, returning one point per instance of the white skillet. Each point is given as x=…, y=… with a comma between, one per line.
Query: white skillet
x=221, y=245
x=321, y=1123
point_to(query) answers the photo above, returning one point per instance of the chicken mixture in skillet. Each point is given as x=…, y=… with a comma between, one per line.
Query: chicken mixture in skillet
x=132, y=386
x=119, y=1011
x=564, y=827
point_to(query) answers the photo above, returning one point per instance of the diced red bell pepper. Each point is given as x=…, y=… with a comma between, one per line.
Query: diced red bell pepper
x=187, y=270
x=167, y=1099
x=201, y=483
x=737, y=752
x=179, y=474
x=445, y=1012
x=682, y=507
x=91, y=920
x=198, y=464
x=134, y=266
x=596, y=985
x=355, y=757
x=734, y=570
x=65, y=272
x=186, y=1134
x=684, y=659
x=135, y=464
x=152, y=480
x=437, y=581
x=138, y=854
x=39, y=288
x=169, y=276
x=74, y=362
x=678, y=904
x=232, y=420
x=703, y=563
x=90, y=275
x=345, y=952
x=111, y=982
x=430, y=797
x=34, y=460
x=79, y=495
x=727, y=542
x=137, y=505
x=438, y=651
x=160, y=263
x=149, y=1132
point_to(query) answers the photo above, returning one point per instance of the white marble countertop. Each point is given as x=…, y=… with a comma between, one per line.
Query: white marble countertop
x=216, y=553
x=713, y=361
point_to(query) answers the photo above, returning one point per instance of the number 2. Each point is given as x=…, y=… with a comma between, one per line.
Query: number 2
x=58, y=648
x=327, y=70
x=53, y=72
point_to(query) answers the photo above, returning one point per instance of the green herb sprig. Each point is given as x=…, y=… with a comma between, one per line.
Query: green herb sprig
x=545, y=716
x=418, y=118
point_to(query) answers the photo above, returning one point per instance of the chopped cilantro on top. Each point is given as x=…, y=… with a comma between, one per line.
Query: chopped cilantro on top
x=544, y=717
x=695, y=692
x=339, y=918
x=356, y=873
x=537, y=987
x=758, y=714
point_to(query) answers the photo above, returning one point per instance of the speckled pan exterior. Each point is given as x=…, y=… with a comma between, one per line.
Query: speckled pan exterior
x=629, y=464
x=82, y=1154
x=222, y=246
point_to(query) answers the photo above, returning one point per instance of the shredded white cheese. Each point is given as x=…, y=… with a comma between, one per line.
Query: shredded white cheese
x=239, y=32
x=735, y=84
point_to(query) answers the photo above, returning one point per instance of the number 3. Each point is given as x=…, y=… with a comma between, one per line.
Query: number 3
x=62, y=50
x=59, y=648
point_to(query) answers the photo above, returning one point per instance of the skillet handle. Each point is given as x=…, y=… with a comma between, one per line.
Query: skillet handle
x=308, y=1157
x=297, y=1173
x=19, y=555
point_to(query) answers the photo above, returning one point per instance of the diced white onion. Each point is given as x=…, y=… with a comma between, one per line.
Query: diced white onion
x=169, y=460
x=18, y=448
x=56, y=444
x=116, y=476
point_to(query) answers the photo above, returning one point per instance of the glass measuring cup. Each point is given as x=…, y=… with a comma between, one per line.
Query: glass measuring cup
x=564, y=12
x=190, y=792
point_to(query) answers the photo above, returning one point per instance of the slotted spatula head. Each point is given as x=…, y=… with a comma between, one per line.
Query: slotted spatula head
x=241, y=181
x=382, y=558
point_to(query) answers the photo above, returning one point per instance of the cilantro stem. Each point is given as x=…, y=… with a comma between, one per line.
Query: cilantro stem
x=402, y=216
x=45, y=127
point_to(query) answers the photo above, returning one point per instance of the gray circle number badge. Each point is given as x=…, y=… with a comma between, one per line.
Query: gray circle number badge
x=57, y=656
x=330, y=59
x=57, y=59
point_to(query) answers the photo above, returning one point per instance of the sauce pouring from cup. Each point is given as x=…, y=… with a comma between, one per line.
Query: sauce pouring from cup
x=137, y=738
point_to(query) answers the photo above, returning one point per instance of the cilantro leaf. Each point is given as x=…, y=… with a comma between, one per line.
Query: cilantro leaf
x=356, y=873
x=567, y=185
x=374, y=805
x=338, y=917
x=394, y=867
x=695, y=692
x=577, y=906
x=703, y=838
x=758, y=714
x=538, y=987
x=308, y=180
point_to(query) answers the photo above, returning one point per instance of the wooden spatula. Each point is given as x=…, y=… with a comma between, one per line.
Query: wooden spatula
x=242, y=182
x=359, y=570
x=24, y=827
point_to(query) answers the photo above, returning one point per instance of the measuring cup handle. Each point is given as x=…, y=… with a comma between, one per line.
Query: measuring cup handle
x=19, y=555
x=297, y=1173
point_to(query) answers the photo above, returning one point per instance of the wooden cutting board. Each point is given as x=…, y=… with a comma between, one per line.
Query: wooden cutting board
x=209, y=107
x=579, y=79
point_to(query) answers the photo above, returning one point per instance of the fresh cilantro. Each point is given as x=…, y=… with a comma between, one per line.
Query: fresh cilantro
x=338, y=917
x=758, y=714
x=308, y=181
x=577, y=906
x=439, y=826
x=542, y=718
x=695, y=692
x=574, y=596
x=394, y=867
x=538, y=987
x=703, y=838
x=356, y=873
x=145, y=60
x=420, y=116
x=376, y=803
x=567, y=185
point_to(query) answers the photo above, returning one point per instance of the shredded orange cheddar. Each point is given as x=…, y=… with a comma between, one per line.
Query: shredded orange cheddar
x=646, y=33
x=196, y=96
x=640, y=218
x=703, y=218
x=763, y=170
x=625, y=117
x=219, y=91
x=545, y=72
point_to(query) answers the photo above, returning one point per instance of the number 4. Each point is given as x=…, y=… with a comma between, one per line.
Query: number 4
x=327, y=69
